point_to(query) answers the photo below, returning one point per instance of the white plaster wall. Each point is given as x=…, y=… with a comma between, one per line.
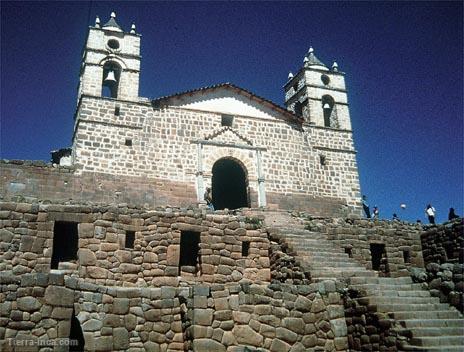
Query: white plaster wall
x=225, y=102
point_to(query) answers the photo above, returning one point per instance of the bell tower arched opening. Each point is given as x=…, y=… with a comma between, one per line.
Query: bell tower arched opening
x=229, y=185
x=111, y=77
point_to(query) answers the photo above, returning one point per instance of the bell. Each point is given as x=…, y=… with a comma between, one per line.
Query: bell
x=110, y=78
x=326, y=106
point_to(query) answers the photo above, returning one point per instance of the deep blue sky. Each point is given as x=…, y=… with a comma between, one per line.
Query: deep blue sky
x=403, y=64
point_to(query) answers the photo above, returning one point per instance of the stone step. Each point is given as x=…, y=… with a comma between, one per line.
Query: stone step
x=414, y=323
x=323, y=255
x=437, y=341
x=332, y=272
x=414, y=308
x=318, y=264
x=437, y=331
x=394, y=293
x=431, y=314
x=402, y=300
x=407, y=347
x=382, y=280
x=311, y=243
x=376, y=287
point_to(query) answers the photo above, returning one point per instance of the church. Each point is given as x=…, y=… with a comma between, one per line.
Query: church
x=250, y=151
x=111, y=247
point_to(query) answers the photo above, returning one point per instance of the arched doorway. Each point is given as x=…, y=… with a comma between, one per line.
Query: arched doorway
x=229, y=185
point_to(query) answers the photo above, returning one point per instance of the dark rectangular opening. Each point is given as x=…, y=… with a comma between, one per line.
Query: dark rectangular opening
x=245, y=248
x=130, y=239
x=349, y=251
x=227, y=120
x=449, y=249
x=65, y=242
x=128, y=142
x=377, y=254
x=189, y=260
x=117, y=111
x=407, y=256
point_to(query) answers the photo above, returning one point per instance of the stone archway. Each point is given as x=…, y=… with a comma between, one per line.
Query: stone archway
x=229, y=185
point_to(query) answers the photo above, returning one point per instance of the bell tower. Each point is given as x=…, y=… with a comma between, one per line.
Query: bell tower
x=318, y=94
x=110, y=62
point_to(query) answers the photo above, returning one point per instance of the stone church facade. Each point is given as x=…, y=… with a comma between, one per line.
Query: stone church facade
x=298, y=157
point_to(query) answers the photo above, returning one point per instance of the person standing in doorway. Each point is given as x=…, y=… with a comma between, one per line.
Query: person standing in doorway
x=208, y=197
x=366, y=207
x=430, y=212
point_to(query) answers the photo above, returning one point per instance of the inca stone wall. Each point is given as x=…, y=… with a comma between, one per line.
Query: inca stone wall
x=28, y=233
x=443, y=250
x=402, y=241
x=137, y=298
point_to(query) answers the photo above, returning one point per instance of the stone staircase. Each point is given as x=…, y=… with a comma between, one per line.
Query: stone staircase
x=421, y=321
x=427, y=324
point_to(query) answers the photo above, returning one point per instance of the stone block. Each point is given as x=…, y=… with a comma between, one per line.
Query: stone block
x=120, y=306
x=86, y=230
x=338, y=327
x=279, y=346
x=86, y=257
x=92, y=325
x=203, y=345
x=59, y=296
x=120, y=338
x=203, y=316
x=294, y=324
x=96, y=272
x=286, y=335
x=241, y=317
x=173, y=254
x=28, y=304
x=247, y=336
x=26, y=243
x=317, y=306
x=103, y=343
x=303, y=304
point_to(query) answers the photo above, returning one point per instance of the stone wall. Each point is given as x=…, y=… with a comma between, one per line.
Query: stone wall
x=37, y=310
x=443, y=250
x=27, y=236
x=165, y=145
x=368, y=330
x=36, y=180
x=402, y=241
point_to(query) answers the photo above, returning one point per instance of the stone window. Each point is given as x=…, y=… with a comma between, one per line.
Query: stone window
x=128, y=142
x=323, y=159
x=227, y=120
x=130, y=239
x=298, y=109
x=189, y=260
x=378, y=255
x=65, y=242
x=245, y=248
x=349, y=251
x=117, y=111
x=407, y=256
x=325, y=79
x=113, y=44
